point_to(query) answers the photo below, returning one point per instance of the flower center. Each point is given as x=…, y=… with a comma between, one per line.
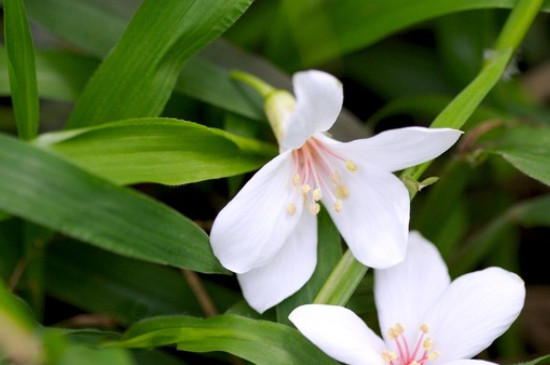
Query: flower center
x=418, y=354
x=318, y=174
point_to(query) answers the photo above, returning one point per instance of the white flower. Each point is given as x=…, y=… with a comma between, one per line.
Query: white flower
x=425, y=319
x=268, y=233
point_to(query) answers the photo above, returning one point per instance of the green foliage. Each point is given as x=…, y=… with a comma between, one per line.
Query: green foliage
x=87, y=235
x=261, y=342
x=46, y=189
x=166, y=151
x=21, y=67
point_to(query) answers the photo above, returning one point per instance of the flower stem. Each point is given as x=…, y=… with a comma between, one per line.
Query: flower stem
x=260, y=86
x=342, y=282
x=345, y=277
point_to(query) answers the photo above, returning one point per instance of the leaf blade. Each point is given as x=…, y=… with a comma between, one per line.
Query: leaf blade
x=47, y=190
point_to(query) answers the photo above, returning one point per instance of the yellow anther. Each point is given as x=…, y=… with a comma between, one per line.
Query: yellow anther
x=314, y=208
x=335, y=178
x=342, y=192
x=399, y=328
x=296, y=180
x=351, y=166
x=424, y=328
x=392, y=334
x=427, y=344
x=317, y=194
x=291, y=209
x=388, y=356
x=434, y=355
x=338, y=205
x=305, y=188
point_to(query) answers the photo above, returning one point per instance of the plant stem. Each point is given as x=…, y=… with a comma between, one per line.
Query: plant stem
x=259, y=85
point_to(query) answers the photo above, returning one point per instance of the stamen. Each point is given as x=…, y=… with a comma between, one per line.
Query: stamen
x=296, y=179
x=424, y=328
x=351, y=166
x=291, y=209
x=305, y=188
x=434, y=355
x=388, y=356
x=317, y=194
x=427, y=344
x=338, y=205
x=342, y=192
x=335, y=178
x=314, y=208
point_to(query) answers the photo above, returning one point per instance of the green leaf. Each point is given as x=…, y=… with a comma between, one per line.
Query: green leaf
x=60, y=75
x=75, y=354
x=137, y=77
x=528, y=149
x=541, y=360
x=260, y=342
x=21, y=67
x=532, y=213
x=43, y=188
x=135, y=289
x=358, y=24
x=166, y=151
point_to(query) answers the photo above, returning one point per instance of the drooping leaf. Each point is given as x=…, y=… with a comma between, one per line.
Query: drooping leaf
x=166, y=151
x=44, y=188
x=528, y=149
x=21, y=68
x=260, y=342
x=139, y=74
x=541, y=360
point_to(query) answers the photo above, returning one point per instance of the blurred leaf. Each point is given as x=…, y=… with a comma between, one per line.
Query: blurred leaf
x=148, y=357
x=541, y=360
x=462, y=39
x=329, y=252
x=166, y=151
x=11, y=246
x=532, y=213
x=384, y=69
x=17, y=337
x=260, y=342
x=358, y=24
x=60, y=75
x=21, y=68
x=84, y=276
x=137, y=77
x=528, y=149
x=47, y=190
x=75, y=354
x=426, y=108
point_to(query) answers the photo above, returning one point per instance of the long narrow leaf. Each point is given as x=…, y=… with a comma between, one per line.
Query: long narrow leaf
x=21, y=67
x=257, y=341
x=166, y=151
x=139, y=74
x=43, y=188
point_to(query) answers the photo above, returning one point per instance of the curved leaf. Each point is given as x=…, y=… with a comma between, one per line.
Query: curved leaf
x=161, y=150
x=43, y=188
x=528, y=149
x=260, y=342
x=137, y=77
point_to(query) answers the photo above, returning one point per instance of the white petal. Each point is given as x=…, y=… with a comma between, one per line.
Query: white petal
x=340, y=333
x=319, y=99
x=474, y=310
x=251, y=229
x=468, y=362
x=374, y=219
x=406, y=291
x=287, y=272
x=397, y=149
